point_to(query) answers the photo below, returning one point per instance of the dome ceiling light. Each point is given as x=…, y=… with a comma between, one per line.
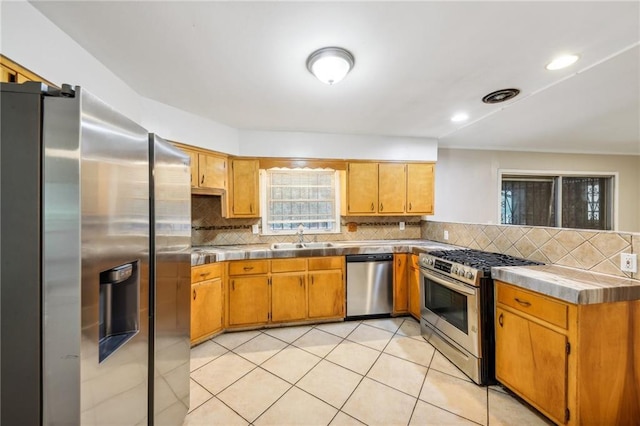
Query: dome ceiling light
x=330, y=64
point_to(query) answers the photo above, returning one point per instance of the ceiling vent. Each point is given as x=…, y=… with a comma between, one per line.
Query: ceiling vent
x=500, y=96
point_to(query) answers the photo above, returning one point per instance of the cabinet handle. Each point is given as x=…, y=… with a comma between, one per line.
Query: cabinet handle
x=372, y=206
x=204, y=274
x=248, y=268
x=311, y=279
x=410, y=207
x=501, y=320
x=381, y=207
x=202, y=180
x=300, y=281
x=194, y=294
x=233, y=285
x=523, y=302
x=251, y=207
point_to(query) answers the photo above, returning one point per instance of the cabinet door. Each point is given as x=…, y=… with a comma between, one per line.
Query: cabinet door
x=206, y=308
x=392, y=183
x=362, y=188
x=244, y=197
x=414, y=292
x=213, y=171
x=193, y=158
x=248, y=300
x=400, y=283
x=419, y=188
x=288, y=297
x=532, y=361
x=326, y=294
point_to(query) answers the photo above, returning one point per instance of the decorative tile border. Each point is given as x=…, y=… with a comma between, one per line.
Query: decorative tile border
x=597, y=251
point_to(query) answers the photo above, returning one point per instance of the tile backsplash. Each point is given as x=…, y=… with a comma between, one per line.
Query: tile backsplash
x=597, y=251
x=208, y=227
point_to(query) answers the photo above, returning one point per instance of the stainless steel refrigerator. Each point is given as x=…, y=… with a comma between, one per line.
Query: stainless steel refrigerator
x=95, y=264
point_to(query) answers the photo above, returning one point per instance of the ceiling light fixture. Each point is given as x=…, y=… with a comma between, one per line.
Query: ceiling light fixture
x=562, y=62
x=330, y=64
x=460, y=117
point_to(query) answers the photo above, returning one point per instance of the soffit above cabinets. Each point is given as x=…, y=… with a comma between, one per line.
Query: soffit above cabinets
x=416, y=65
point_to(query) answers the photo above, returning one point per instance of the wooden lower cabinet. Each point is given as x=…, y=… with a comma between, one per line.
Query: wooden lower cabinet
x=326, y=294
x=248, y=300
x=400, y=284
x=577, y=364
x=414, y=287
x=288, y=297
x=206, y=301
x=261, y=292
x=533, y=359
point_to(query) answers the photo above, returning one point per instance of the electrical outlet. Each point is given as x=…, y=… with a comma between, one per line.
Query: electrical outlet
x=402, y=226
x=446, y=235
x=629, y=262
x=255, y=229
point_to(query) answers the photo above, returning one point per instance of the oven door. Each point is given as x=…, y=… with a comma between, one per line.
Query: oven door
x=453, y=309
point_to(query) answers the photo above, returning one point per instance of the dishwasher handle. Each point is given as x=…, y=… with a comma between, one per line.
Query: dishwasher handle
x=377, y=257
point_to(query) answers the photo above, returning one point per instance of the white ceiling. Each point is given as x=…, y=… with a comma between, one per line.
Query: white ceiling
x=417, y=63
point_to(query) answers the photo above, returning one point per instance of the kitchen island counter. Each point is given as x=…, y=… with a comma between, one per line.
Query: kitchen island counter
x=571, y=285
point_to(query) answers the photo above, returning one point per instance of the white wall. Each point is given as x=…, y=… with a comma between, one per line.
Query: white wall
x=31, y=40
x=467, y=182
x=177, y=125
x=326, y=145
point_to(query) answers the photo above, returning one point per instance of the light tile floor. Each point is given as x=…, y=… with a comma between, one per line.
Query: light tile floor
x=373, y=372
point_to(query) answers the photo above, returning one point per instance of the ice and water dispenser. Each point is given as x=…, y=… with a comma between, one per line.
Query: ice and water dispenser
x=119, y=307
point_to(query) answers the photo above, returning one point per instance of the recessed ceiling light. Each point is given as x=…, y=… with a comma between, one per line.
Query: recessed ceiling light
x=460, y=117
x=330, y=64
x=562, y=62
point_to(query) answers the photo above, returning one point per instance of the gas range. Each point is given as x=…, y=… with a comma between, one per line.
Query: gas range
x=468, y=265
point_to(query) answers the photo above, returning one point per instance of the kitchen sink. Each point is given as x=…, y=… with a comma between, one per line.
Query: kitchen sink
x=298, y=246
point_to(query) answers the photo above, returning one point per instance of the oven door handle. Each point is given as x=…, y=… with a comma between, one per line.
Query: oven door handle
x=461, y=288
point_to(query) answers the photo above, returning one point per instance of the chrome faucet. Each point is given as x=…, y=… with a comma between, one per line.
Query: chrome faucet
x=300, y=233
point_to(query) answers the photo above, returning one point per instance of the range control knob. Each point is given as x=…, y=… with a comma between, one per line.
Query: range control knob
x=470, y=275
x=461, y=272
x=454, y=269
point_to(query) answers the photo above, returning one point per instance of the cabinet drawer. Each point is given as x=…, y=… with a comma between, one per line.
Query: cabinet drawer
x=321, y=263
x=248, y=267
x=206, y=272
x=534, y=304
x=288, y=265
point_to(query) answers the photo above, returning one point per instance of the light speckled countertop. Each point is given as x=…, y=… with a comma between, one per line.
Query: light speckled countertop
x=568, y=284
x=201, y=255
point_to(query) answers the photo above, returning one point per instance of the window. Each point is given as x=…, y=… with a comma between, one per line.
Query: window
x=566, y=201
x=300, y=196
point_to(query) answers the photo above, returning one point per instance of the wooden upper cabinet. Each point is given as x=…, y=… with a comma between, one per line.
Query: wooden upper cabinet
x=212, y=171
x=362, y=188
x=193, y=157
x=392, y=183
x=420, y=188
x=244, y=198
x=12, y=72
x=389, y=189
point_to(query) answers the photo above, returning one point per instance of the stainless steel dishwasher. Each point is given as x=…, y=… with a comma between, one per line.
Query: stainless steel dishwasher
x=369, y=285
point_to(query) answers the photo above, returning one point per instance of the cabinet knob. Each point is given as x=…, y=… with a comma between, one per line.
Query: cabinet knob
x=202, y=180
x=501, y=320
x=381, y=207
x=194, y=294
x=372, y=206
x=410, y=207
